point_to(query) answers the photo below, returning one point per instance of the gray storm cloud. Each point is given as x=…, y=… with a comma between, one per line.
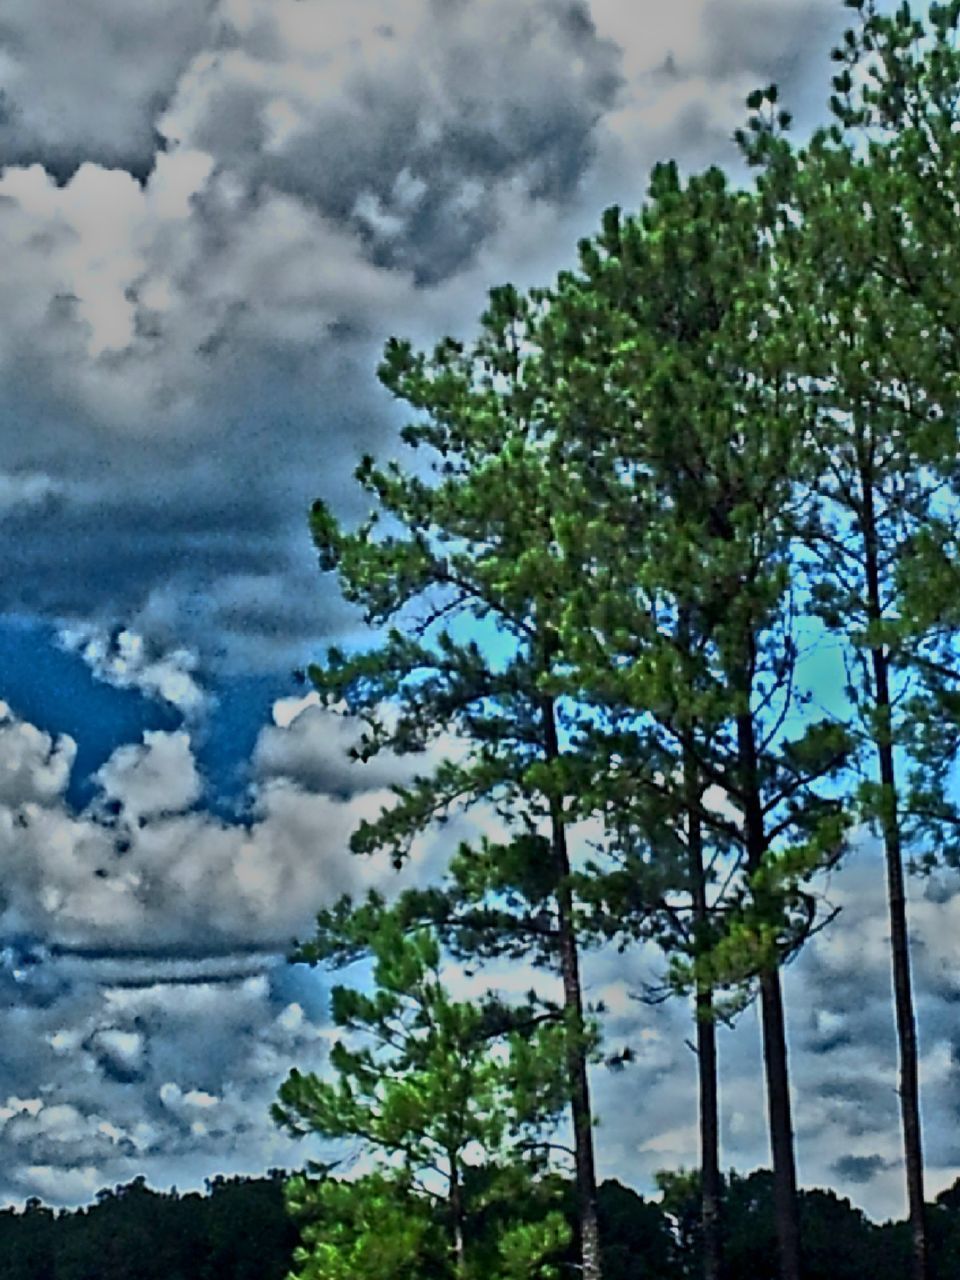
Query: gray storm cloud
x=61, y=110
x=434, y=106
x=205, y=255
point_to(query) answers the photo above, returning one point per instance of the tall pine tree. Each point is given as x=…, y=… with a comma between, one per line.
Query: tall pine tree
x=864, y=220
x=464, y=565
x=679, y=426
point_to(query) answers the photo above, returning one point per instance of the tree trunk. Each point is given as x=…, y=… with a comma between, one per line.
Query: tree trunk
x=781, y=1125
x=896, y=894
x=902, y=983
x=710, y=1182
x=456, y=1214
x=776, y=1070
x=580, y=1108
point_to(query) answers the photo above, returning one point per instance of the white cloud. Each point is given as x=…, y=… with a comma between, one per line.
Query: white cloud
x=159, y=776
x=27, y=490
x=34, y=766
x=120, y=1052
x=20, y=1106
x=311, y=744
x=143, y=868
x=125, y=659
x=59, y=1185
x=145, y=964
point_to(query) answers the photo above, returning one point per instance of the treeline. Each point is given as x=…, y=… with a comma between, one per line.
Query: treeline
x=239, y=1230
x=626, y=512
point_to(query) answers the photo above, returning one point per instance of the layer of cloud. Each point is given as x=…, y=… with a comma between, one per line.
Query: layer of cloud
x=34, y=769
x=313, y=747
x=172, y=1080
x=401, y=120
x=144, y=868
x=101, y=103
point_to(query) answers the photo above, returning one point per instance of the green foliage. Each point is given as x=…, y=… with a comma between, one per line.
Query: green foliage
x=463, y=563
x=863, y=220
x=452, y=1101
x=240, y=1230
x=862, y=223
x=839, y=1241
x=366, y=1229
x=676, y=416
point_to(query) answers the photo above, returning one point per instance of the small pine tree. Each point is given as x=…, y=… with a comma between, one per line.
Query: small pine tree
x=451, y=1100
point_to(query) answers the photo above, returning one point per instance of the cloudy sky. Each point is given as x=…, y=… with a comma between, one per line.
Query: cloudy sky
x=212, y=215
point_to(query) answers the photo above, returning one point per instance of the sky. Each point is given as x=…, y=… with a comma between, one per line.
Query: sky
x=213, y=213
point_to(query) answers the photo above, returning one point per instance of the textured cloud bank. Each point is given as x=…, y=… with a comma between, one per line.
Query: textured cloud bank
x=144, y=998
x=214, y=217
x=60, y=111
x=144, y=868
x=171, y=1080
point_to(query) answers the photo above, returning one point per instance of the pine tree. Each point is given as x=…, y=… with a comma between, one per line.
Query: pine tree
x=449, y=1099
x=679, y=425
x=470, y=552
x=864, y=227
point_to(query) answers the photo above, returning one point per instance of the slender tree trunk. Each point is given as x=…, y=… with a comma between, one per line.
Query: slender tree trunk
x=776, y=1070
x=710, y=1182
x=580, y=1107
x=781, y=1125
x=902, y=983
x=711, y=1187
x=456, y=1214
x=896, y=895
